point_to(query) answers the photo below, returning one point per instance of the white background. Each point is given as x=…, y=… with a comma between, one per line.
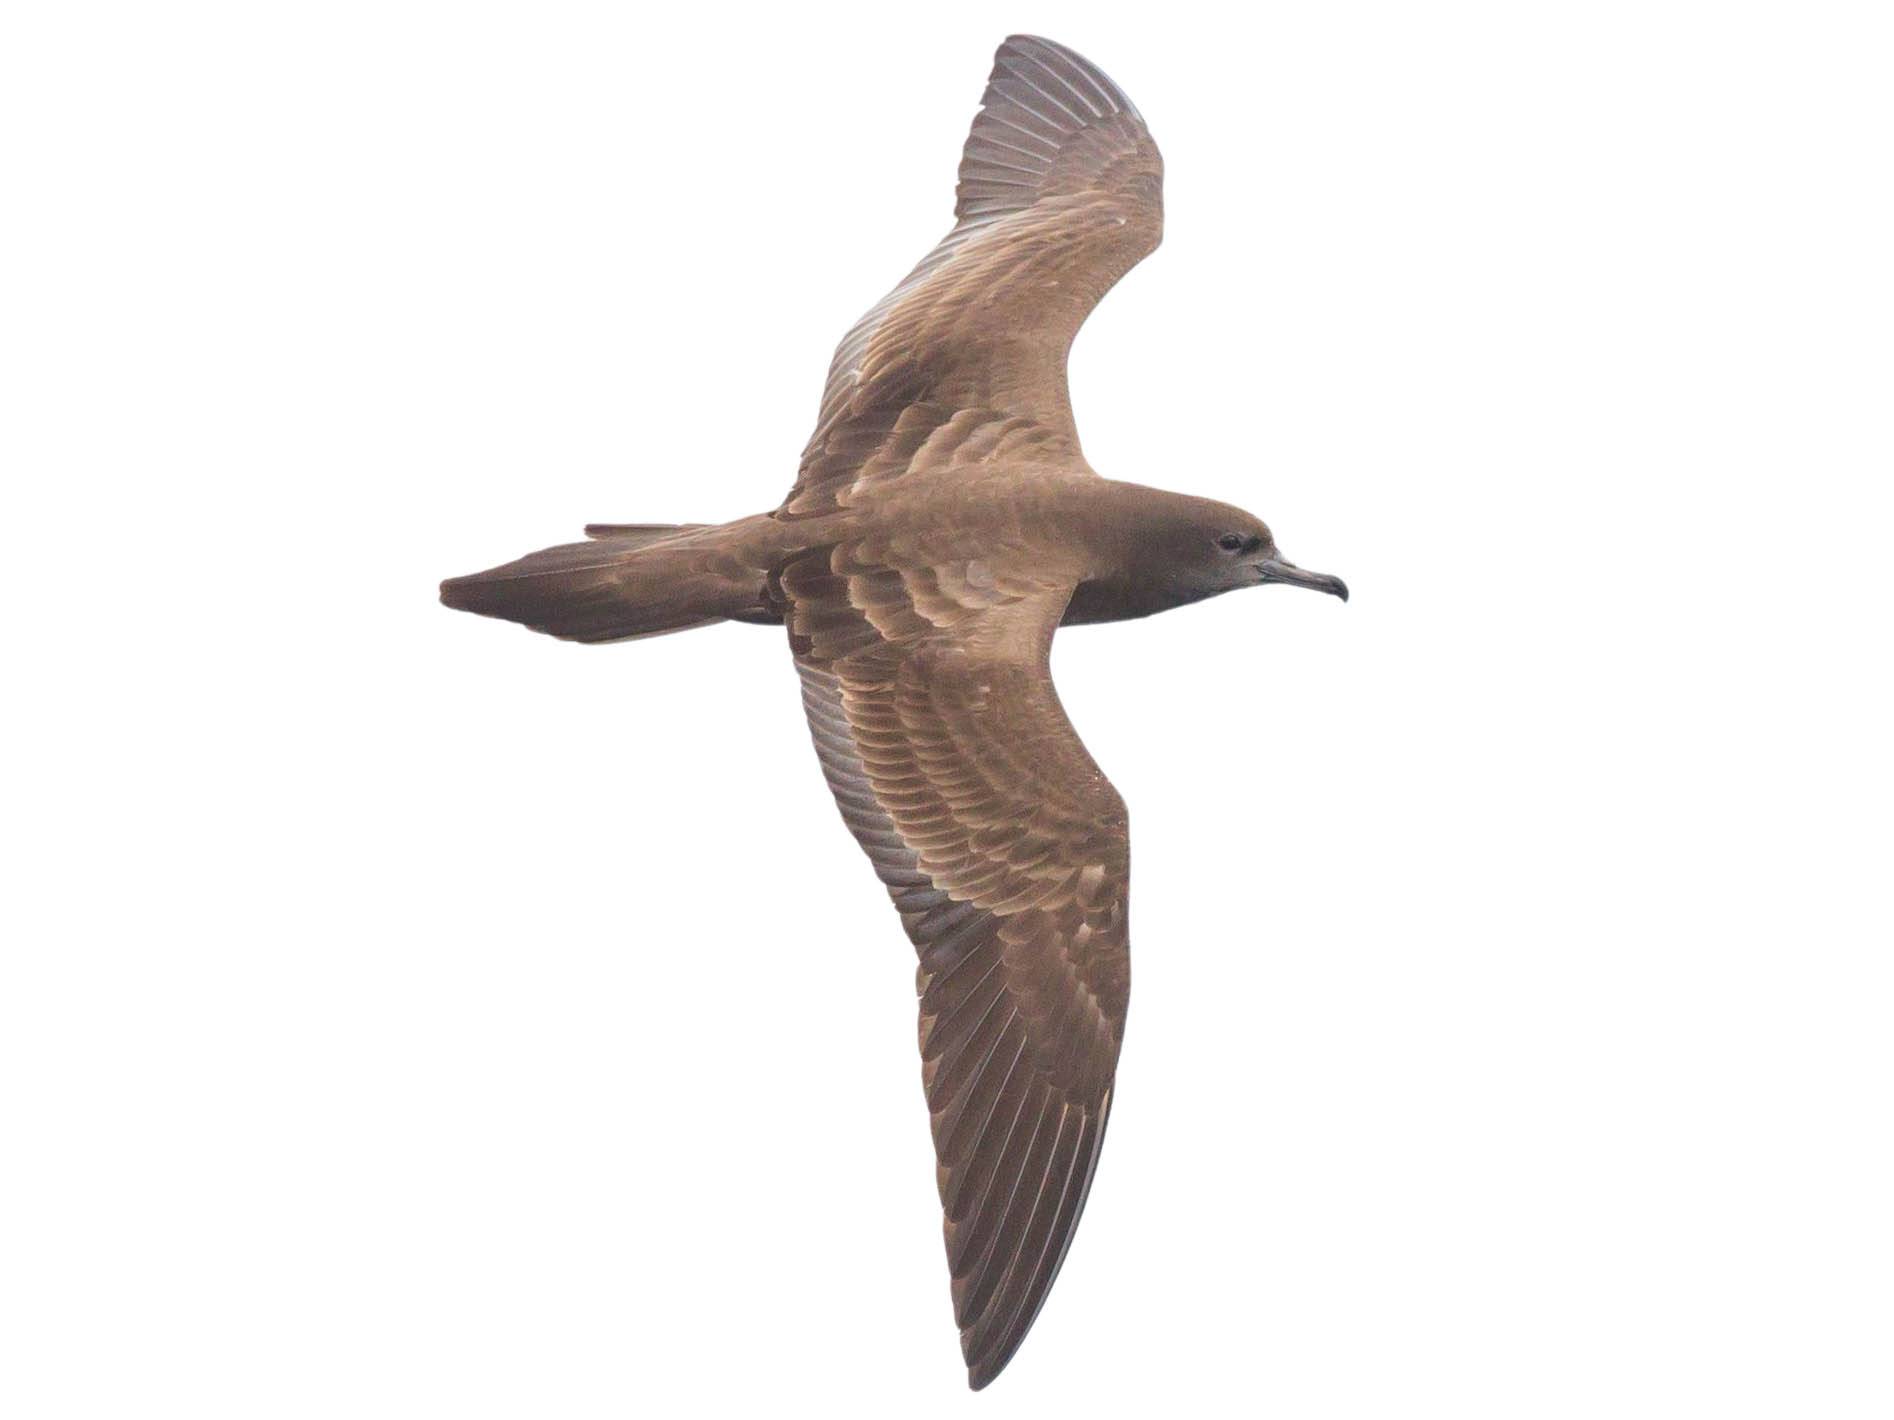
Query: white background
x=404, y=1015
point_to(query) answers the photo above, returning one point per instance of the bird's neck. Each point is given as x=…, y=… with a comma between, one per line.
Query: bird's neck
x=1122, y=528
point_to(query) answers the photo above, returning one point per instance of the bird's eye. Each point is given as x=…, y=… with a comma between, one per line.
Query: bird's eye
x=1232, y=542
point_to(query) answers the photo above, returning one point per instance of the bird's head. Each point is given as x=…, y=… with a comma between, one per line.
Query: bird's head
x=1209, y=548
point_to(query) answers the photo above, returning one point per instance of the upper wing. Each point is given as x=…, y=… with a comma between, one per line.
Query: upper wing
x=1060, y=194
x=1006, y=852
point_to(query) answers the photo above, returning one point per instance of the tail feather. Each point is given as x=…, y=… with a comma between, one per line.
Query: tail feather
x=640, y=534
x=612, y=589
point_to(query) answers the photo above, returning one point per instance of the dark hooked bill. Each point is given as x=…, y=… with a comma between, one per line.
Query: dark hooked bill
x=1274, y=569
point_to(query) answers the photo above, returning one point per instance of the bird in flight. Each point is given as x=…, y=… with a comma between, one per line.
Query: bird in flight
x=942, y=526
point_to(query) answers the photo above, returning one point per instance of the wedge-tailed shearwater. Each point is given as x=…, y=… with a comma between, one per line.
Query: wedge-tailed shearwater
x=943, y=525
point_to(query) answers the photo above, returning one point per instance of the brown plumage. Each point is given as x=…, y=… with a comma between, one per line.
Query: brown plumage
x=942, y=526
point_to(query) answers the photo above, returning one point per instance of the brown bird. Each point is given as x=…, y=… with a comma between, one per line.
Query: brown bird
x=943, y=525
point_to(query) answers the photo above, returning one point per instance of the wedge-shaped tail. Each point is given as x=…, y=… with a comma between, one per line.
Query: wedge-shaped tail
x=631, y=580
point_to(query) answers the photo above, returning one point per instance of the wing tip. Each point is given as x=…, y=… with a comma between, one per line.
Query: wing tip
x=983, y=1372
x=1038, y=97
x=1036, y=49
